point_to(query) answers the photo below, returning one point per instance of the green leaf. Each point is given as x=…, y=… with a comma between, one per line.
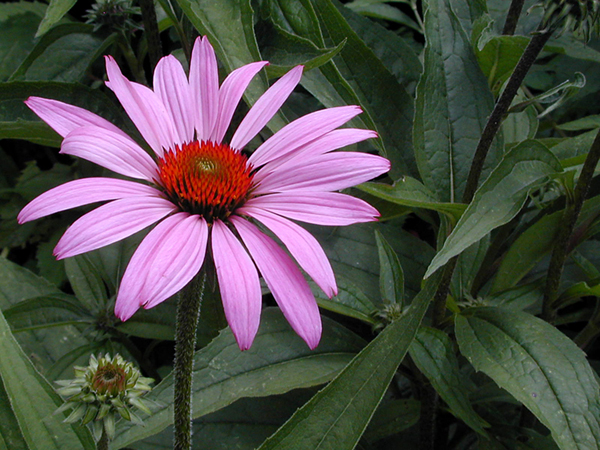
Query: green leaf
x=34, y=401
x=410, y=192
x=86, y=282
x=47, y=311
x=229, y=25
x=433, y=353
x=18, y=23
x=393, y=417
x=357, y=76
x=17, y=121
x=500, y=197
x=536, y=242
x=540, y=367
x=56, y=11
x=10, y=433
x=63, y=54
x=391, y=276
x=452, y=105
x=337, y=416
x=285, y=50
x=278, y=362
x=350, y=301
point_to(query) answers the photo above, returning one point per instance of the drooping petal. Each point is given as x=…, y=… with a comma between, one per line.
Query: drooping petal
x=64, y=118
x=331, y=141
x=111, y=150
x=265, y=108
x=285, y=281
x=238, y=283
x=111, y=223
x=302, y=245
x=165, y=261
x=172, y=88
x=301, y=131
x=230, y=94
x=83, y=192
x=321, y=208
x=204, y=82
x=328, y=172
x=143, y=107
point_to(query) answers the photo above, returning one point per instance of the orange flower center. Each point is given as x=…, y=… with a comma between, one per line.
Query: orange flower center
x=205, y=178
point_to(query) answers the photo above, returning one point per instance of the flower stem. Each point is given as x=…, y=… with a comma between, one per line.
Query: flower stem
x=492, y=126
x=188, y=313
x=561, y=244
x=151, y=29
x=512, y=18
x=102, y=444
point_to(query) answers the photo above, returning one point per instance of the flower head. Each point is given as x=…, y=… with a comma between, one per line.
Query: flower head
x=106, y=387
x=202, y=191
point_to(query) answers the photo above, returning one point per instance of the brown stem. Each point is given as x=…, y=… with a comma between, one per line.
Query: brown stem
x=512, y=18
x=151, y=31
x=561, y=247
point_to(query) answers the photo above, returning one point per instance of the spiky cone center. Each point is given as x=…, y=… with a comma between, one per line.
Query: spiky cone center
x=109, y=379
x=206, y=178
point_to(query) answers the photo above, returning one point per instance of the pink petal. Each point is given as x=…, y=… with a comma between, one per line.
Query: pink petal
x=172, y=88
x=238, y=283
x=285, y=281
x=165, y=261
x=111, y=223
x=64, y=118
x=331, y=141
x=321, y=208
x=204, y=81
x=143, y=107
x=301, y=131
x=111, y=150
x=302, y=245
x=230, y=94
x=328, y=172
x=82, y=192
x=265, y=108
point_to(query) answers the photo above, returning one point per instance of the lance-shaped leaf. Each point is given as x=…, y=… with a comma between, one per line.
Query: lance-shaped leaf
x=34, y=401
x=337, y=416
x=277, y=362
x=433, y=353
x=410, y=192
x=391, y=276
x=500, y=197
x=540, y=367
x=56, y=11
x=453, y=102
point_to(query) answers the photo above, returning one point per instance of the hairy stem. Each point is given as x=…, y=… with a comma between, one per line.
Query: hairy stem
x=561, y=243
x=188, y=312
x=151, y=31
x=512, y=18
x=102, y=444
x=492, y=126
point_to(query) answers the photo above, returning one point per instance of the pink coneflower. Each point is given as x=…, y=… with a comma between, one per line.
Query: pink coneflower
x=203, y=191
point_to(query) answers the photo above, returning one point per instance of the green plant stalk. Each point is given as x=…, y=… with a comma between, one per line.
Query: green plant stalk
x=561, y=244
x=512, y=18
x=151, y=31
x=533, y=49
x=102, y=444
x=188, y=313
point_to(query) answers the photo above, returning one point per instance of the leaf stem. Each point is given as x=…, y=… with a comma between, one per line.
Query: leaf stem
x=512, y=17
x=151, y=31
x=188, y=312
x=591, y=331
x=561, y=244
